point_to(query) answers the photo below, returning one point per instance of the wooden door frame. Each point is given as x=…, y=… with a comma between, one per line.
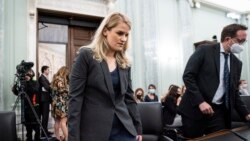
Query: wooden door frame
x=93, y=20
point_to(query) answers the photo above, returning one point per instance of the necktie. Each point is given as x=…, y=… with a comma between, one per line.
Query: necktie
x=226, y=81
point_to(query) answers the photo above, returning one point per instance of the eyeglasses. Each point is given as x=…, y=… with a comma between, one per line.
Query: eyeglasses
x=240, y=41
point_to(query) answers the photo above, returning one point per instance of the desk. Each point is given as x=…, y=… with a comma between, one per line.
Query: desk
x=226, y=135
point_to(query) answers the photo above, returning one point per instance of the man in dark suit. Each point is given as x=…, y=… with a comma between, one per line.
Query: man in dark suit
x=211, y=77
x=45, y=101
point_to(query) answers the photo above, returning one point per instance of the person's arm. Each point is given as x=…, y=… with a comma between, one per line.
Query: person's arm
x=33, y=92
x=44, y=83
x=14, y=89
x=178, y=100
x=132, y=106
x=191, y=72
x=170, y=105
x=77, y=82
x=240, y=106
x=36, y=87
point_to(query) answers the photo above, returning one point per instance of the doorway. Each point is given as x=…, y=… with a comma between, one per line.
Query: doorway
x=60, y=35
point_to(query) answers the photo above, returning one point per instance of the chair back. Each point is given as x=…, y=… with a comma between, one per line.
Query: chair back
x=8, y=126
x=151, y=118
x=237, y=121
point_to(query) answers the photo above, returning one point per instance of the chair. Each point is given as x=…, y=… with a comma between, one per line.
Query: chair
x=236, y=120
x=8, y=126
x=152, y=123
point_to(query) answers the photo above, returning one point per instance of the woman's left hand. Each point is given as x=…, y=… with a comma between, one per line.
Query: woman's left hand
x=139, y=138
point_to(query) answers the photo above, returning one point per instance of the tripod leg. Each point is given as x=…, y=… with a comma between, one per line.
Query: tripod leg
x=22, y=132
x=20, y=95
x=16, y=102
x=35, y=114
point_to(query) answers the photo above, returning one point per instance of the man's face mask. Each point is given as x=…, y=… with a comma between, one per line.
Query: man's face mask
x=236, y=48
x=237, y=45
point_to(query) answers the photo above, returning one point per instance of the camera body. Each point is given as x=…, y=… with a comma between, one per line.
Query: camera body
x=23, y=68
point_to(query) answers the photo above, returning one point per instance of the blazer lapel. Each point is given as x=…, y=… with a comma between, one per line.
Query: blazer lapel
x=217, y=59
x=108, y=79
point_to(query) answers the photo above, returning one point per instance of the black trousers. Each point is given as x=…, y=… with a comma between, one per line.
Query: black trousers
x=30, y=128
x=44, y=109
x=208, y=124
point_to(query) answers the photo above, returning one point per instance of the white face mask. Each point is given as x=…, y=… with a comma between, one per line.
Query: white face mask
x=152, y=91
x=244, y=86
x=236, y=48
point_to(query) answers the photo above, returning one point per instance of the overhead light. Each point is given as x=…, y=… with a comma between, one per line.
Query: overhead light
x=194, y=3
x=197, y=4
x=233, y=15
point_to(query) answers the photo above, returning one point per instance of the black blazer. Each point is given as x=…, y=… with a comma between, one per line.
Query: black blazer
x=92, y=101
x=44, y=82
x=201, y=77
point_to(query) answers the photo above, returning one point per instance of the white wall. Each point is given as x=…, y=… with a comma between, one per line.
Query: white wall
x=1, y=52
x=245, y=55
x=176, y=28
x=20, y=32
x=163, y=29
x=207, y=22
x=15, y=45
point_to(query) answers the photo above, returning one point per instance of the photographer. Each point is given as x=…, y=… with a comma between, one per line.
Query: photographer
x=31, y=87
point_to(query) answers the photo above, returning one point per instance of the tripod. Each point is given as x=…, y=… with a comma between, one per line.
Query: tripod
x=23, y=95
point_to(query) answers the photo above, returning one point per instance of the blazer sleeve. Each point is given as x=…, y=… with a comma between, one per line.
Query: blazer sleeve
x=240, y=106
x=132, y=106
x=44, y=83
x=190, y=74
x=77, y=82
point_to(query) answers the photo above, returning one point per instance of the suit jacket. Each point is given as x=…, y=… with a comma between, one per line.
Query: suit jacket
x=201, y=77
x=44, y=83
x=92, y=101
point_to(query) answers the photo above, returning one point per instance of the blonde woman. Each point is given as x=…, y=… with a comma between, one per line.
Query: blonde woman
x=101, y=102
x=60, y=102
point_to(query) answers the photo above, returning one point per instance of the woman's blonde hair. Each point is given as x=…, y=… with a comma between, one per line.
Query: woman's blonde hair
x=99, y=44
x=63, y=74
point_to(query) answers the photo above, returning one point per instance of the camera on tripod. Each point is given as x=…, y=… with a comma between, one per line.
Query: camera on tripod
x=23, y=68
x=27, y=91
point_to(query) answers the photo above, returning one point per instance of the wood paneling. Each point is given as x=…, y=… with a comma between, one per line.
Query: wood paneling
x=78, y=37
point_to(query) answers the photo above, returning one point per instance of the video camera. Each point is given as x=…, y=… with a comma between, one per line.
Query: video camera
x=23, y=68
x=19, y=88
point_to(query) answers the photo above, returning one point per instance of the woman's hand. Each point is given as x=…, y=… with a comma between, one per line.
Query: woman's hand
x=139, y=138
